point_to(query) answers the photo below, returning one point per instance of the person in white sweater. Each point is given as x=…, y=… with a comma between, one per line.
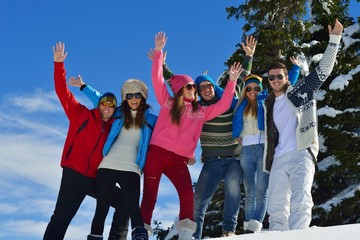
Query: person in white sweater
x=291, y=139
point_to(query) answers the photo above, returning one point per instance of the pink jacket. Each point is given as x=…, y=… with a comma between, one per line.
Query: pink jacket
x=182, y=139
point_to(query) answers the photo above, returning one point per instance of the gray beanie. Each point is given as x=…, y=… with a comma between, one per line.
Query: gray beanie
x=134, y=86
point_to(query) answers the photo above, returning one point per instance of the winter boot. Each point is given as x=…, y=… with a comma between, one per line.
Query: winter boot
x=149, y=229
x=245, y=226
x=254, y=226
x=139, y=233
x=94, y=237
x=186, y=229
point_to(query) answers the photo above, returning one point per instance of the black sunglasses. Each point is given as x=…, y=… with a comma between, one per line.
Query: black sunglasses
x=130, y=96
x=278, y=76
x=190, y=86
x=249, y=89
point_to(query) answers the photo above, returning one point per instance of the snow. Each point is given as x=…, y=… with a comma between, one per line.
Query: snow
x=348, y=192
x=341, y=232
x=341, y=81
x=327, y=162
x=328, y=111
x=348, y=32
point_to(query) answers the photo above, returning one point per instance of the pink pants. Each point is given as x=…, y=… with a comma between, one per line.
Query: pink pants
x=174, y=167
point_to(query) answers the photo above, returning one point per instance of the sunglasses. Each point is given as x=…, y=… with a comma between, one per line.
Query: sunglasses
x=108, y=104
x=190, y=86
x=205, y=86
x=278, y=76
x=130, y=96
x=249, y=89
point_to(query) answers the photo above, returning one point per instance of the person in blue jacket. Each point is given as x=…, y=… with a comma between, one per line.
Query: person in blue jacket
x=248, y=128
x=124, y=154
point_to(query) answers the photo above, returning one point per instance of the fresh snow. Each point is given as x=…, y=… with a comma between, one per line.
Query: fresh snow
x=341, y=232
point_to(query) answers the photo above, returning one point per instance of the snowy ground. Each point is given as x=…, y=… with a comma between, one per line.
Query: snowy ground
x=341, y=232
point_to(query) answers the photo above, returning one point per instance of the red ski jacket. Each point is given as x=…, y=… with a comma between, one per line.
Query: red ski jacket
x=87, y=132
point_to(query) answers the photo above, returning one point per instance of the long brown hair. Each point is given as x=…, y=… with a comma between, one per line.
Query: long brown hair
x=139, y=120
x=178, y=106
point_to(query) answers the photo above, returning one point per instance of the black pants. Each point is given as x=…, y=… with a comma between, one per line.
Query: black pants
x=73, y=189
x=129, y=183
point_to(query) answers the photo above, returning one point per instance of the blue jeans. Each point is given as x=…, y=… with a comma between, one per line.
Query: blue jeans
x=255, y=181
x=214, y=171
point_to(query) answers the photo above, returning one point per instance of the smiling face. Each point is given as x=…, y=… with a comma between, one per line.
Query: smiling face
x=206, y=90
x=189, y=91
x=252, y=90
x=276, y=83
x=106, y=110
x=134, y=100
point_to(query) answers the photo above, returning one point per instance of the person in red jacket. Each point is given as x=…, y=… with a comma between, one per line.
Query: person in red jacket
x=82, y=153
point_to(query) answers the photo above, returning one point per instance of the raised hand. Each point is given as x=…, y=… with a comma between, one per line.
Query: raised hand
x=250, y=46
x=338, y=28
x=59, y=52
x=294, y=60
x=160, y=41
x=76, y=82
x=150, y=55
x=235, y=71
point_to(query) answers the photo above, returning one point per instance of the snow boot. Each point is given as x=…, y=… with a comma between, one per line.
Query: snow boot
x=186, y=229
x=139, y=233
x=94, y=237
x=149, y=229
x=245, y=226
x=254, y=226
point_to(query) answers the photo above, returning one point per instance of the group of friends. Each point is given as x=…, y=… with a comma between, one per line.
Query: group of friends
x=267, y=141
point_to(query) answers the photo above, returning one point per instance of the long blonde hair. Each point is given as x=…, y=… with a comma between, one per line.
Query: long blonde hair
x=251, y=105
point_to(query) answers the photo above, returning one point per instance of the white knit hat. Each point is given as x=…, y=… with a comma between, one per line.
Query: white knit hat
x=134, y=86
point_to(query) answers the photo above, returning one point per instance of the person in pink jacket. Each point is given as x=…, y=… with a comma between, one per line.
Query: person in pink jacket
x=175, y=137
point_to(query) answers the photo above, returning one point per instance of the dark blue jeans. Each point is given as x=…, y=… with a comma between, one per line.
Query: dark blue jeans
x=73, y=189
x=212, y=173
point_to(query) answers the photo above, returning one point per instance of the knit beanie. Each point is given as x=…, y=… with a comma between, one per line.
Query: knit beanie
x=252, y=78
x=134, y=86
x=202, y=78
x=107, y=97
x=179, y=81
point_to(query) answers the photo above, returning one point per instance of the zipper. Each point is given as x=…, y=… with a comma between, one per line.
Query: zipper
x=93, y=150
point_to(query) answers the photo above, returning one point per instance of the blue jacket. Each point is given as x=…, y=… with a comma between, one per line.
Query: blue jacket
x=117, y=125
x=239, y=112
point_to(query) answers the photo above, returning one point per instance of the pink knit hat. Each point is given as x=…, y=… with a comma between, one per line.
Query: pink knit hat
x=179, y=81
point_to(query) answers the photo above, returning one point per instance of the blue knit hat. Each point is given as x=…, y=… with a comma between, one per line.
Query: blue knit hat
x=202, y=78
x=252, y=78
x=107, y=97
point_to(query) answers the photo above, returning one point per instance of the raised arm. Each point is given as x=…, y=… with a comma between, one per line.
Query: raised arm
x=67, y=99
x=328, y=60
x=167, y=73
x=92, y=94
x=224, y=103
x=294, y=72
x=158, y=82
x=249, y=49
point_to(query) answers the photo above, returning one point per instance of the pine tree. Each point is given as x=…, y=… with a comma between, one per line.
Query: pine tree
x=337, y=183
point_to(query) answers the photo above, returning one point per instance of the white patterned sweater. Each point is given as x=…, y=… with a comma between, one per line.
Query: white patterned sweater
x=301, y=99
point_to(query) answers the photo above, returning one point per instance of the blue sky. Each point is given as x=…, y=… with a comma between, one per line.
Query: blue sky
x=107, y=43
